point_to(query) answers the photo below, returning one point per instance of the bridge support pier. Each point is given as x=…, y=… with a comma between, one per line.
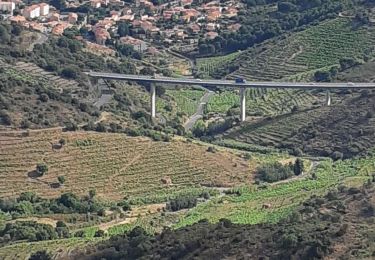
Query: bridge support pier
x=328, y=98
x=243, y=104
x=153, y=100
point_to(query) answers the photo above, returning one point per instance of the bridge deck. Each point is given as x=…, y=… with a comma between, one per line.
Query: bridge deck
x=233, y=84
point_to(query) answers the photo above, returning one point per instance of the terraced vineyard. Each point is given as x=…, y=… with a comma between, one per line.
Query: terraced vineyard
x=112, y=164
x=347, y=127
x=186, y=100
x=284, y=197
x=34, y=70
x=208, y=65
x=263, y=101
x=318, y=47
x=275, y=131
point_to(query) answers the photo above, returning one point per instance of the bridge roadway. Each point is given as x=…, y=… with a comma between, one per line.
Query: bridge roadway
x=229, y=84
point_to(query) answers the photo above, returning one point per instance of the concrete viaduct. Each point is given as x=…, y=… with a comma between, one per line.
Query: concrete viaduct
x=228, y=84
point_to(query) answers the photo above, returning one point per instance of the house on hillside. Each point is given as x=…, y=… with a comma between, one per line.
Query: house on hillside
x=7, y=7
x=101, y=35
x=35, y=11
x=72, y=18
x=138, y=45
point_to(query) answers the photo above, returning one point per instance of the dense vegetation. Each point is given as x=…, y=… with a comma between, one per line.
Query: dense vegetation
x=63, y=55
x=258, y=27
x=313, y=231
x=29, y=101
x=28, y=204
x=276, y=171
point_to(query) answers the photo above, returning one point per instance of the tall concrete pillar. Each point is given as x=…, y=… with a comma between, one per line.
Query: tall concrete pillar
x=153, y=100
x=243, y=104
x=328, y=98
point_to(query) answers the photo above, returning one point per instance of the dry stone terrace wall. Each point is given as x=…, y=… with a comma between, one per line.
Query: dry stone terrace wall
x=113, y=164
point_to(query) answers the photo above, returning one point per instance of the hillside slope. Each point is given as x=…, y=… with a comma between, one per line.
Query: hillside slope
x=113, y=164
x=346, y=127
x=338, y=226
x=317, y=47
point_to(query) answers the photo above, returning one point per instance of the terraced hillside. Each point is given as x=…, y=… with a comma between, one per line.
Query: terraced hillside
x=335, y=226
x=317, y=47
x=31, y=101
x=265, y=101
x=112, y=164
x=34, y=70
x=347, y=127
x=206, y=66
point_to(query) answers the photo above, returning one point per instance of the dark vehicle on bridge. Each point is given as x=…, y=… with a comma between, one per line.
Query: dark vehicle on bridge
x=240, y=80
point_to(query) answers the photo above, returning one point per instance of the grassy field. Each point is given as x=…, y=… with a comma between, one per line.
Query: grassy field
x=186, y=100
x=317, y=47
x=112, y=164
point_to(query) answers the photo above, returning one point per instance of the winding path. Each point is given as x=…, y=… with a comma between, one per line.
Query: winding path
x=200, y=110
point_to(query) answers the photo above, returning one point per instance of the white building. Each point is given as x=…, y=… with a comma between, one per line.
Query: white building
x=35, y=11
x=44, y=9
x=31, y=12
x=7, y=7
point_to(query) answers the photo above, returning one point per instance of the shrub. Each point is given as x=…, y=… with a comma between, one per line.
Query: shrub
x=69, y=72
x=297, y=152
x=273, y=172
x=182, y=203
x=199, y=128
x=62, y=141
x=99, y=233
x=5, y=118
x=211, y=149
x=298, y=167
x=289, y=241
x=92, y=193
x=29, y=230
x=61, y=179
x=42, y=169
x=337, y=156
x=124, y=205
x=40, y=255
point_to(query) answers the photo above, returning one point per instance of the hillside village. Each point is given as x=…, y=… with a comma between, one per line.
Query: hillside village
x=143, y=25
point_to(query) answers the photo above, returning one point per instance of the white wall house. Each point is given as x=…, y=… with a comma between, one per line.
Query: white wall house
x=44, y=9
x=7, y=7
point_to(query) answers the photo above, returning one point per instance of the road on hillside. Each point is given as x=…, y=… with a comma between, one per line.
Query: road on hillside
x=200, y=110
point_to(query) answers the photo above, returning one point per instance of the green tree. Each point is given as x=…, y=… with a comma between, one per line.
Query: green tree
x=62, y=141
x=123, y=29
x=40, y=255
x=61, y=179
x=42, y=168
x=4, y=35
x=199, y=128
x=298, y=167
x=59, y=4
x=69, y=72
x=92, y=193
